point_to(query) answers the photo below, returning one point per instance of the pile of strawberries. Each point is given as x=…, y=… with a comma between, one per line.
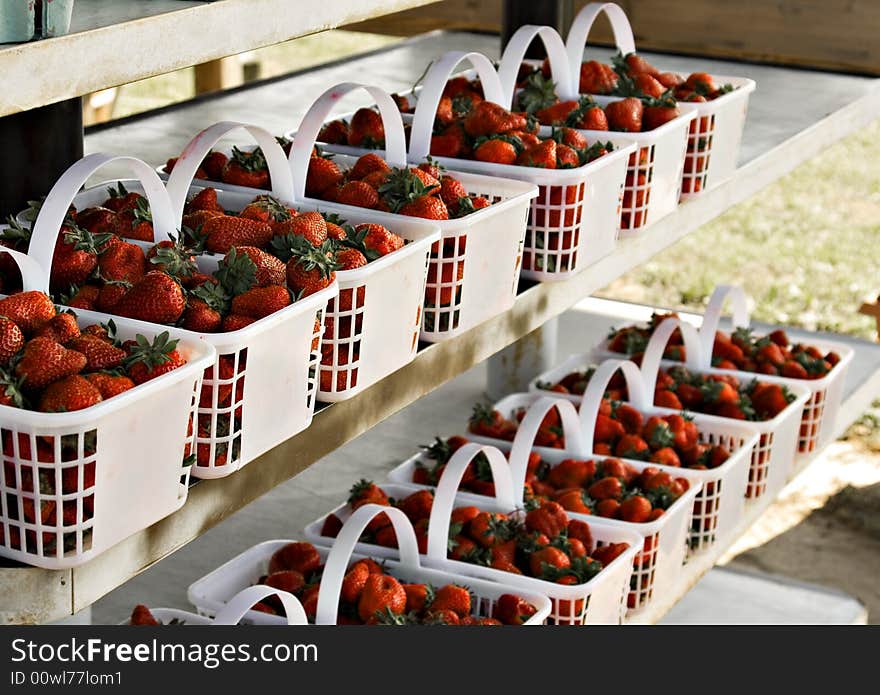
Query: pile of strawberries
x=426, y=191
x=681, y=389
x=371, y=596
x=246, y=168
x=773, y=354
x=48, y=364
x=620, y=430
x=488, y=132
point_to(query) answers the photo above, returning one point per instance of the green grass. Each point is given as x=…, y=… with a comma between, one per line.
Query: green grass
x=806, y=249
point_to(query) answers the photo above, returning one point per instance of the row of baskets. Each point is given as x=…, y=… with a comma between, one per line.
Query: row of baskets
x=697, y=519
x=261, y=381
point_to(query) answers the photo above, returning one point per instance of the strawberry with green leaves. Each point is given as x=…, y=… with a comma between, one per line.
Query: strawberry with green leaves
x=247, y=169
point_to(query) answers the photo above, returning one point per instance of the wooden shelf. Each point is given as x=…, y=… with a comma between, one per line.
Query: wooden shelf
x=773, y=148
x=111, y=43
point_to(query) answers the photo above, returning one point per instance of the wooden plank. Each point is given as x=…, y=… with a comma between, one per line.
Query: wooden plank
x=116, y=43
x=826, y=34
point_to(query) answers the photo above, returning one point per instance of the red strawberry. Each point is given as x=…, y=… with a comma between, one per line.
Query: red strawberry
x=156, y=297
x=625, y=115
x=367, y=164
x=29, y=310
x=110, y=385
x=45, y=361
x=496, y=151
x=597, y=78
x=68, y=394
x=222, y=233
x=205, y=199
x=201, y=317
x=246, y=169
x=542, y=155
x=366, y=129
x=452, y=191
x=310, y=269
x=657, y=114
x=378, y=239
x=349, y=259
x=122, y=261
x=148, y=360
x=235, y=323
x=267, y=208
x=84, y=297
x=426, y=207
x=487, y=118
x=359, y=194
x=269, y=270
x=310, y=225
x=322, y=175
x=334, y=133
x=261, y=301
x=76, y=256
x=11, y=339
x=100, y=354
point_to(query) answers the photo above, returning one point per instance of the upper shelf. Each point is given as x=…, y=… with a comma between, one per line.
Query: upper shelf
x=111, y=43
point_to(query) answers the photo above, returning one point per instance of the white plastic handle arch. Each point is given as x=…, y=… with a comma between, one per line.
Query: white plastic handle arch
x=47, y=226
x=444, y=496
x=580, y=30
x=656, y=346
x=340, y=555
x=181, y=177
x=515, y=52
x=236, y=608
x=712, y=317
x=432, y=90
x=313, y=121
x=524, y=440
x=599, y=384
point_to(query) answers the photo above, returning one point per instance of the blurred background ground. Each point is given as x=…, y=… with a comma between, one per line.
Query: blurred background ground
x=806, y=250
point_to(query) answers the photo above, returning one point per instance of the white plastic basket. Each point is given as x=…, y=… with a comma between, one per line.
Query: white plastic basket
x=602, y=600
x=574, y=220
x=820, y=411
x=211, y=593
x=715, y=134
x=476, y=266
x=270, y=391
x=774, y=452
x=134, y=445
x=371, y=328
x=720, y=503
x=236, y=608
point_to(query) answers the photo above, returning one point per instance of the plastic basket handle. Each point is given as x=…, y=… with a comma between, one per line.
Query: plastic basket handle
x=184, y=171
x=432, y=90
x=597, y=386
x=340, y=555
x=580, y=30
x=515, y=52
x=33, y=275
x=313, y=121
x=712, y=317
x=524, y=440
x=447, y=488
x=47, y=226
x=656, y=346
x=236, y=608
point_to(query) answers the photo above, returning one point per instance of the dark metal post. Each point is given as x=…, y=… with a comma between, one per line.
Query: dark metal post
x=37, y=145
x=555, y=13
